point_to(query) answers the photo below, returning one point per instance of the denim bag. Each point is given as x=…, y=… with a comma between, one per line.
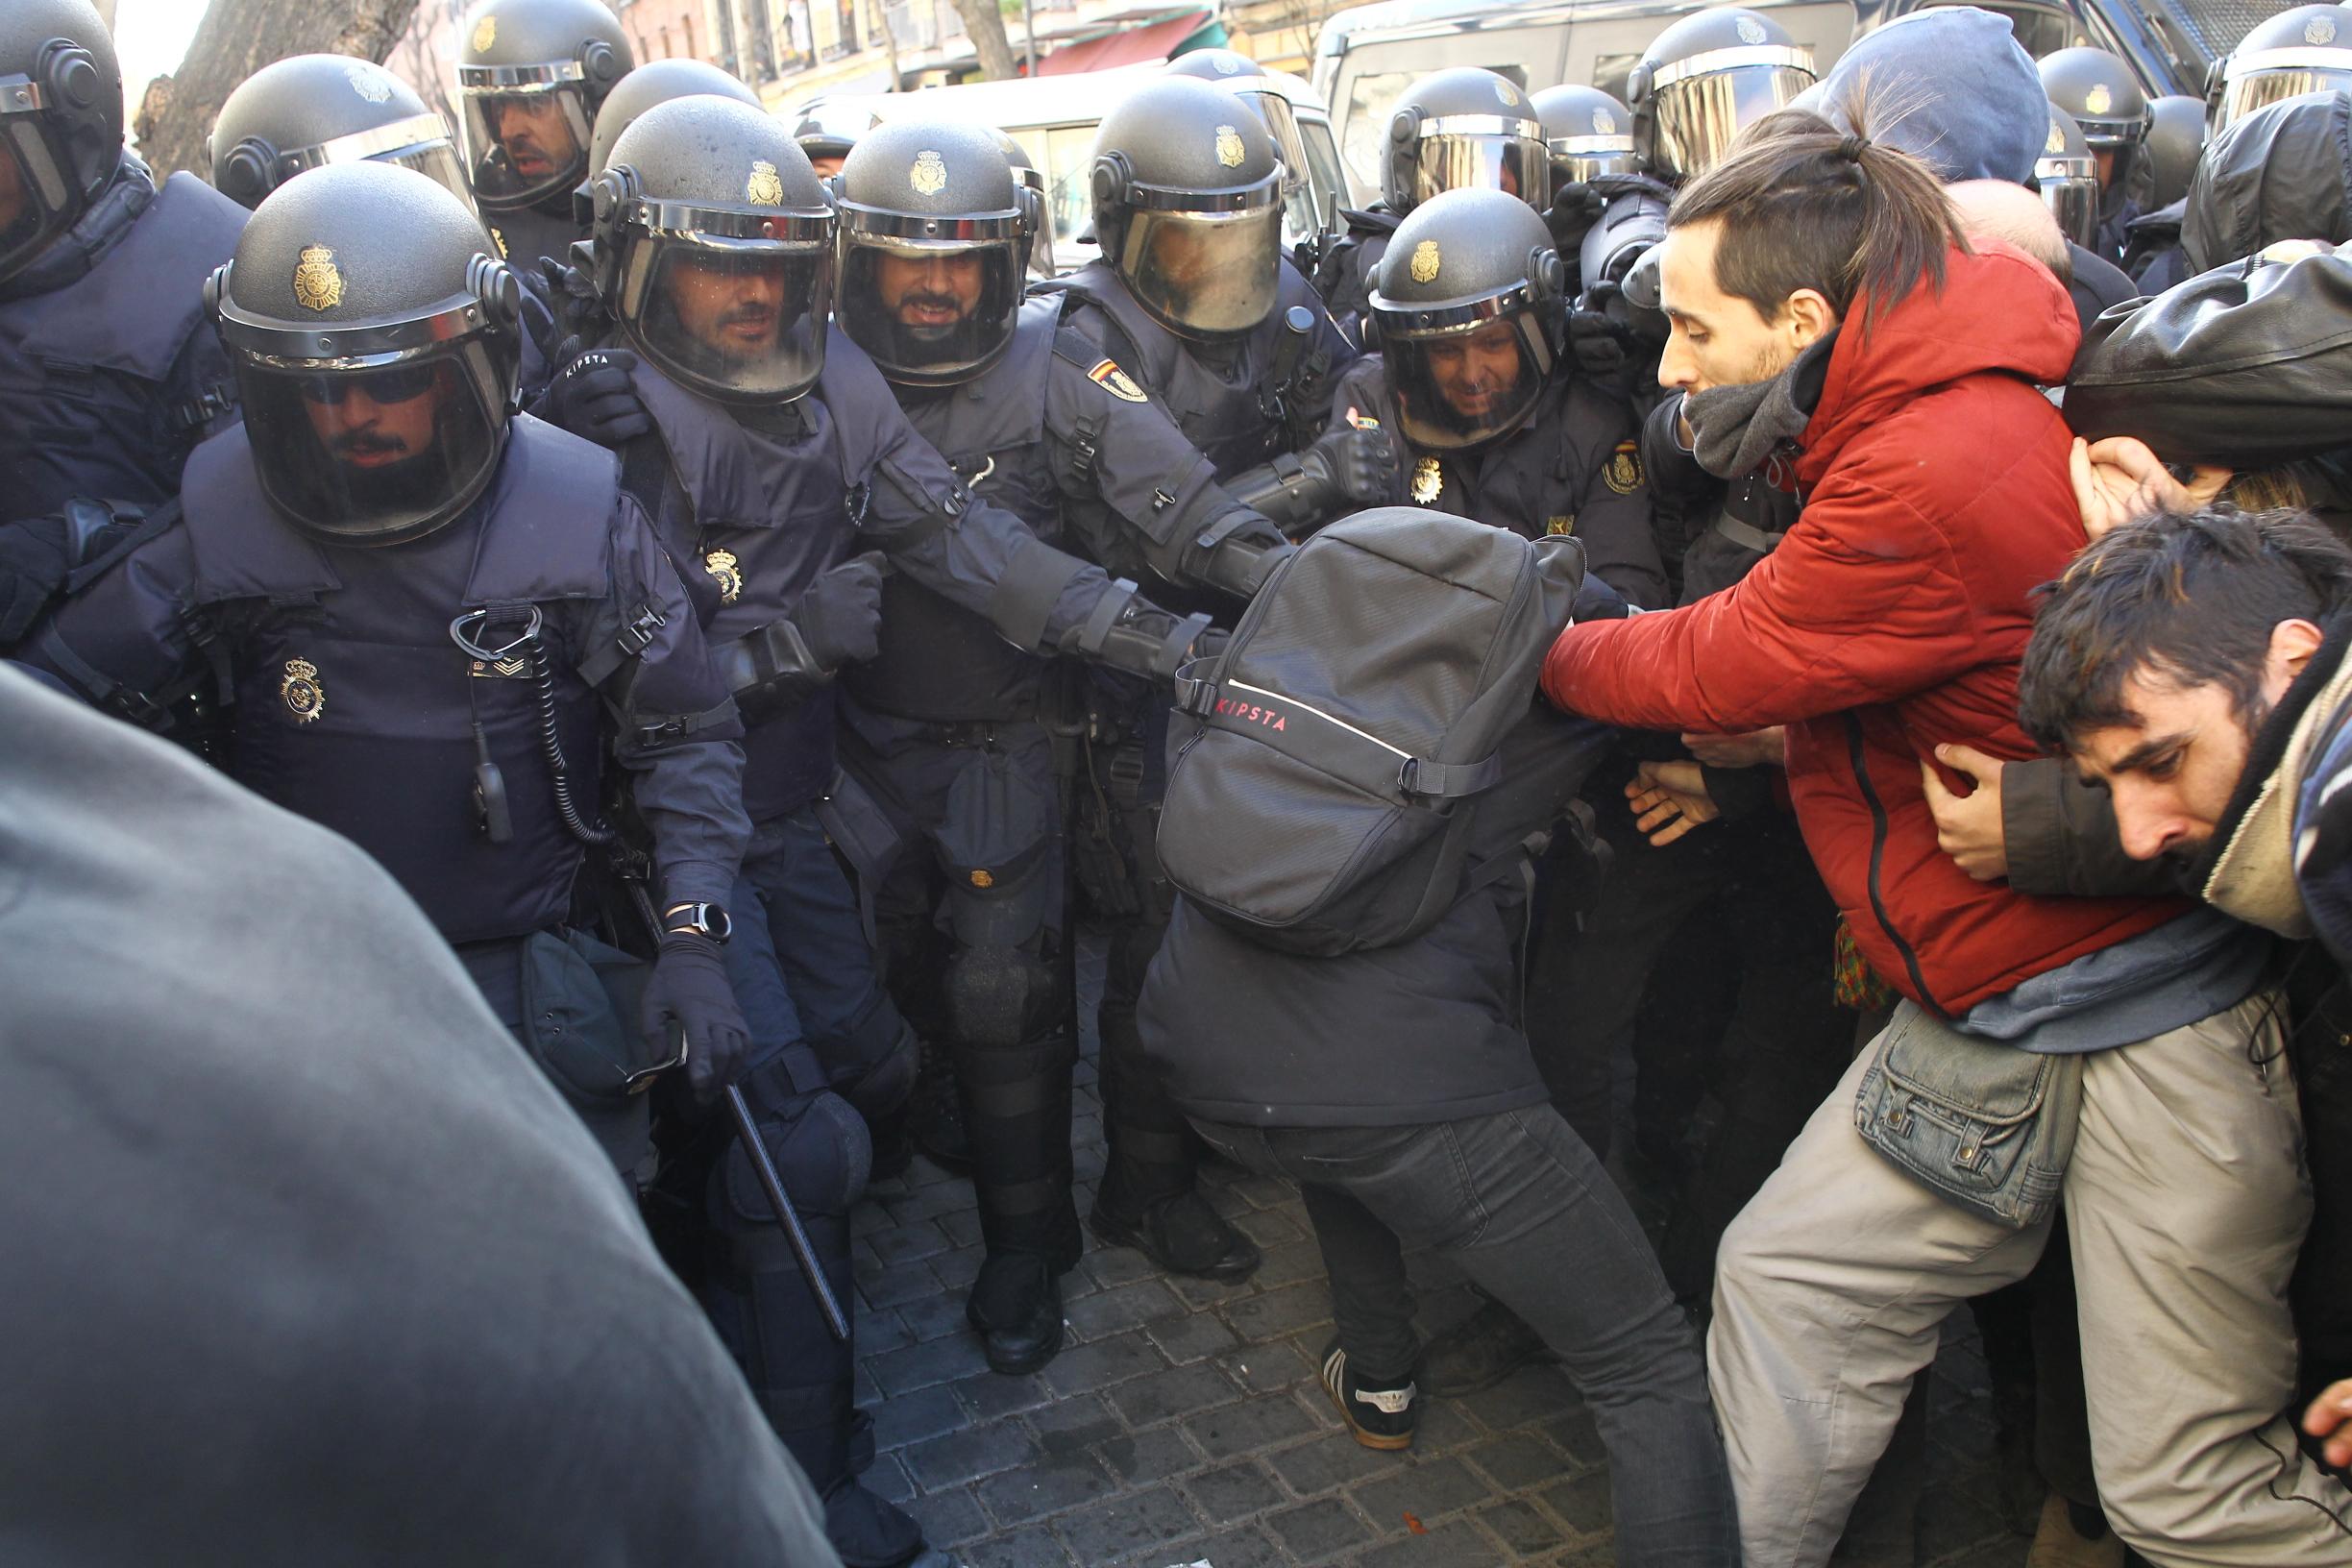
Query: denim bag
x=1983, y=1125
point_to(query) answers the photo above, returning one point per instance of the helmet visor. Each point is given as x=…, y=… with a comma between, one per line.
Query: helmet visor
x=1464, y=387
x=1697, y=116
x=740, y=320
x=1206, y=274
x=929, y=312
x=523, y=142
x=1578, y=161
x=2070, y=189
x=376, y=451
x=36, y=201
x=437, y=162
x=2259, y=86
x=1504, y=160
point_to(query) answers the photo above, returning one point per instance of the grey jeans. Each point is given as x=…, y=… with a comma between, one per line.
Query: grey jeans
x=2186, y=1206
x=1521, y=1204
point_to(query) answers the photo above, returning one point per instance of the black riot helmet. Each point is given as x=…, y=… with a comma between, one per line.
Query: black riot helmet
x=1251, y=82
x=826, y=131
x=658, y=81
x=2175, y=141
x=1188, y=207
x=1589, y=134
x=2305, y=49
x=1471, y=315
x=376, y=346
x=1705, y=78
x=934, y=249
x=1030, y=177
x=1465, y=127
x=2098, y=92
x=531, y=75
x=61, y=121
x=712, y=248
x=307, y=111
x=2067, y=176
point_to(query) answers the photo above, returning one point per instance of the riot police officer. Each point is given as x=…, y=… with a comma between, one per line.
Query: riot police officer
x=531, y=76
x=2176, y=146
x=1195, y=304
x=2098, y=92
x=961, y=736
x=1252, y=83
x=1705, y=78
x=658, y=81
x=1590, y=135
x=825, y=133
x=1492, y=420
x=776, y=464
x=307, y=111
x=1454, y=128
x=418, y=609
x=2300, y=50
x=2066, y=174
x=107, y=379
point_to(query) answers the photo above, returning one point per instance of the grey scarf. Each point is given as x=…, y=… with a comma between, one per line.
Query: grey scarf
x=1738, y=428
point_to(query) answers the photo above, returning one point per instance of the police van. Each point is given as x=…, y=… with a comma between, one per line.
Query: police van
x=1055, y=118
x=1366, y=55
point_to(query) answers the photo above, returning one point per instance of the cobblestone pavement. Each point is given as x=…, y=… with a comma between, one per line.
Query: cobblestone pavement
x=1183, y=1423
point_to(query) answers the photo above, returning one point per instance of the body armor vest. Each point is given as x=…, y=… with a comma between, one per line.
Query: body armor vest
x=939, y=661
x=355, y=708
x=528, y=234
x=1223, y=395
x=90, y=402
x=758, y=516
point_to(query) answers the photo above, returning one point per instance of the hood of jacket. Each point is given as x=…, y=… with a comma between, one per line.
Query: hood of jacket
x=1951, y=86
x=1998, y=312
x=2283, y=172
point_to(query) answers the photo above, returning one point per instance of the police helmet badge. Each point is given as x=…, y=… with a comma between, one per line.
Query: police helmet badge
x=2057, y=140
x=1108, y=375
x=1224, y=64
x=2098, y=100
x=302, y=691
x=983, y=878
x=1428, y=480
x=1751, y=31
x=1425, y=261
x=1622, y=472
x=1228, y=149
x=727, y=573
x=1604, y=124
x=765, y=188
x=929, y=175
x=369, y=84
x=1507, y=93
x=317, y=284
x=485, y=34
x=2319, y=30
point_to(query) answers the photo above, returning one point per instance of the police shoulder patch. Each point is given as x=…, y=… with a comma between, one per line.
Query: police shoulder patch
x=1108, y=375
x=1623, y=473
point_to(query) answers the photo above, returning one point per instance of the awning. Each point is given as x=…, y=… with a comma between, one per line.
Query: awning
x=1131, y=46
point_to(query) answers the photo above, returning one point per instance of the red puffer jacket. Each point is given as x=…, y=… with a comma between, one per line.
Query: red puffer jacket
x=1891, y=618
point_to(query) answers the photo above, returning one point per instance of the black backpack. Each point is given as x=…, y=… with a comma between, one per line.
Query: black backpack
x=1326, y=766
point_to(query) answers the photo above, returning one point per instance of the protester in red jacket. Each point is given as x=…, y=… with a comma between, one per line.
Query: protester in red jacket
x=1890, y=620
x=1833, y=331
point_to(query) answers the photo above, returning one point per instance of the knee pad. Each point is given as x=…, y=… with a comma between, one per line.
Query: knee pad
x=998, y=997
x=820, y=1151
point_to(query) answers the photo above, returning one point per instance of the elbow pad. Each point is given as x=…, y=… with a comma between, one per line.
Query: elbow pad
x=1227, y=559
x=1294, y=490
x=1129, y=632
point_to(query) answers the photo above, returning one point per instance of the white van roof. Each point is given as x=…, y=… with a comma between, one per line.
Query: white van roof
x=1082, y=97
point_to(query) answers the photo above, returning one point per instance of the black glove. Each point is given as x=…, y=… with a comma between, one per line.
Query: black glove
x=689, y=985
x=1360, y=464
x=1607, y=331
x=840, y=615
x=593, y=397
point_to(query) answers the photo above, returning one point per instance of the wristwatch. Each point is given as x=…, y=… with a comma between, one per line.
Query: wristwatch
x=700, y=920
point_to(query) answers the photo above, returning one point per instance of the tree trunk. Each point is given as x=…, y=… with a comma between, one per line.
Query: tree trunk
x=984, y=25
x=236, y=39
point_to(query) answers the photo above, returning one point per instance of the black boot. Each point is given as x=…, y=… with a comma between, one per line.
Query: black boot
x=1182, y=1233
x=1015, y=1306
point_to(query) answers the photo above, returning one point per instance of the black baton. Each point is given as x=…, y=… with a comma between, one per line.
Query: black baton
x=786, y=1215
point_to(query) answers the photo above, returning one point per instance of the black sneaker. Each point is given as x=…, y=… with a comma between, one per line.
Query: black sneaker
x=1184, y=1236
x=1481, y=1351
x=1380, y=1415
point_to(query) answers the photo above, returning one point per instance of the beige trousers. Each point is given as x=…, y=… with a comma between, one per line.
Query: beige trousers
x=2186, y=1203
